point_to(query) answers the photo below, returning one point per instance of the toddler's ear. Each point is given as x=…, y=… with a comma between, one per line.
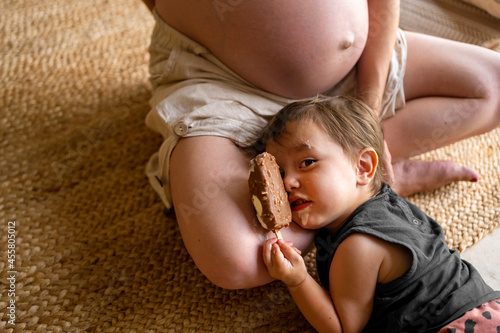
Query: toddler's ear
x=366, y=166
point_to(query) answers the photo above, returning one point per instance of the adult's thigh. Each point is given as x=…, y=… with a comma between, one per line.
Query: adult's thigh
x=451, y=92
x=209, y=182
x=442, y=67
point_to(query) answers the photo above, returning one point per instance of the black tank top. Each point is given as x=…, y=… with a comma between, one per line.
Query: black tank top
x=438, y=288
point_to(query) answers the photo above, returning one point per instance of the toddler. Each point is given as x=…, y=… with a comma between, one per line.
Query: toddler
x=383, y=264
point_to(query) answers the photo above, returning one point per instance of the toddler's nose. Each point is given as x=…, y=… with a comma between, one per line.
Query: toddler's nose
x=291, y=183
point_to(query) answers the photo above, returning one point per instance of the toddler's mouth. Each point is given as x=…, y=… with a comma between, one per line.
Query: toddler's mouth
x=299, y=204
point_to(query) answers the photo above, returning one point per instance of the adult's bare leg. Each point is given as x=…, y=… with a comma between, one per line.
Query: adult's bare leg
x=209, y=181
x=452, y=94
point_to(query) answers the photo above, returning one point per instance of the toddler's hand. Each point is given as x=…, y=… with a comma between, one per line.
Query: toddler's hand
x=284, y=262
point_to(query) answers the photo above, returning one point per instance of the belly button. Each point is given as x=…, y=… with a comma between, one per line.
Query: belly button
x=348, y=41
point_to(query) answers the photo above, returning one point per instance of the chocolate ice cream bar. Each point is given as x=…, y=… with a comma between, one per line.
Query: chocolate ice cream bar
x=268, y=193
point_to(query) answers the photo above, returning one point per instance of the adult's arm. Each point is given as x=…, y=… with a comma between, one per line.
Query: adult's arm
x=373, y=66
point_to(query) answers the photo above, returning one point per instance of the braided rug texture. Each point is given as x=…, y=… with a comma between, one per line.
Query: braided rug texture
x=94, y=251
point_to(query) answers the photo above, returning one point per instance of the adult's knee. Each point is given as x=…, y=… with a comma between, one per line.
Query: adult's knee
x=234, y=274
x=495, y=101
x=490, y=105
x=488, y=93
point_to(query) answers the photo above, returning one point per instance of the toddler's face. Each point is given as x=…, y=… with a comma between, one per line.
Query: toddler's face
x=319, y=177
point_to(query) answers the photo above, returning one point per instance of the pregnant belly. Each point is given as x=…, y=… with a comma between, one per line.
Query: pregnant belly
x=292, y=49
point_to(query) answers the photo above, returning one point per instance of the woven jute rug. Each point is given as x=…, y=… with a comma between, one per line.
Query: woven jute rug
x=85, y=243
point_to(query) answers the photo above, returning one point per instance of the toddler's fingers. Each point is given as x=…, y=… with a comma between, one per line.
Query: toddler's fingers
x=293, y=247
x=290, y=253
x=276, y=254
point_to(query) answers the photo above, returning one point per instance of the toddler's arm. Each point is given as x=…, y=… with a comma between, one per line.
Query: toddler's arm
x=285, y=264
x=373, y=66
x=353, y=278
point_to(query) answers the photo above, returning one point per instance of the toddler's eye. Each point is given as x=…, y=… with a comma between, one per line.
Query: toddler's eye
x=282, y=173
x=307, y=163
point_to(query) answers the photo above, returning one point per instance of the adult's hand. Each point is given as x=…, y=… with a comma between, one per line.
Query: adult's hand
x=387, y=160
